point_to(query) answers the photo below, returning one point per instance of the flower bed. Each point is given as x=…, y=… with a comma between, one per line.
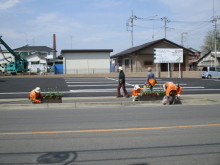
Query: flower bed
x=151, y=95
x=52, y=96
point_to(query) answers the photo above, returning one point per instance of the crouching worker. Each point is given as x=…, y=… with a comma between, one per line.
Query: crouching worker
x=35, y=95
x=173, y=92
x=136, y=91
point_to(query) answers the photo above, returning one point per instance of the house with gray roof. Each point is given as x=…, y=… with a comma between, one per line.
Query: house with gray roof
x=209, y=59
x=28, y=50
x=139, y=58
x=39, y=57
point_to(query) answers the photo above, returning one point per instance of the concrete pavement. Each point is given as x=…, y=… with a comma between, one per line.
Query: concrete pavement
x=102, y=102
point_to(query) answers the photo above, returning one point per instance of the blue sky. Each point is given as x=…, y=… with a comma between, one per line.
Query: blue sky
x=101, y=24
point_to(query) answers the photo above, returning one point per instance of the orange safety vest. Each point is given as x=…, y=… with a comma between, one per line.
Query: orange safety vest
x=169, y=87
x=136, y=92
x=152, y=81
x=179, y=90
x=34, y=96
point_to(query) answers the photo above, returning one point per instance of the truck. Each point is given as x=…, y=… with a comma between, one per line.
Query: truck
x=18, y=65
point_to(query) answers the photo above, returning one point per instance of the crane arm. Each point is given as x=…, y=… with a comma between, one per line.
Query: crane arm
x=17, y=57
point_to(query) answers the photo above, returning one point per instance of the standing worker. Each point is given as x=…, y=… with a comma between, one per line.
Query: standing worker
x=121, y=83
x=172, y=91
x=35, y=95
x=150, y=78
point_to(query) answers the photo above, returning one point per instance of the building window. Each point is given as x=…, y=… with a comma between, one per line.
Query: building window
x=35, y=62
x=127, y=63
x=148, y=63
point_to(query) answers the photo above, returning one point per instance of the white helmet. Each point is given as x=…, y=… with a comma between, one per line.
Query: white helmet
x=136, y=87
x=37, y=90
x=120, y=68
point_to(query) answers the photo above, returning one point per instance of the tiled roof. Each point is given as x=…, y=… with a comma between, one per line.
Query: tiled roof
x=34, y=48
x=138, y=48
x=85, y=50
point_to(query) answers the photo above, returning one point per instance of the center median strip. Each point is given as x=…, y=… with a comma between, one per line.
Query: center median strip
x=110, y=130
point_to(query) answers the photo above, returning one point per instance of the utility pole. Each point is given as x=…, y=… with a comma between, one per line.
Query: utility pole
x=130, y=23
x=183, y=38
x=165, y=19
x=215, y=19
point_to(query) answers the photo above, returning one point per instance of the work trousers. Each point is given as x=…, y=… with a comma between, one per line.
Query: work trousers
x=124, y=90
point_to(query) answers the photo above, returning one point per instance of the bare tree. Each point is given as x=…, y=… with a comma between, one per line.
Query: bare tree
x=209, y=42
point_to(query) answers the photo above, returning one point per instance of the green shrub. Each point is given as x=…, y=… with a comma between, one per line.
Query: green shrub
x=52, y=93
x=149, y=93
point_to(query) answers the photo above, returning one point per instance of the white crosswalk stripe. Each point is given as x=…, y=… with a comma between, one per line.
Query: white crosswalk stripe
x=95, y=85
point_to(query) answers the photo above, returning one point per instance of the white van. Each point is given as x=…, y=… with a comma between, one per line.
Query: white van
x=210, y=72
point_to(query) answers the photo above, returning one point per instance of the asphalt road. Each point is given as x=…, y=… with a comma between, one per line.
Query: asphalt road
x=96, y=87
x=151, y=135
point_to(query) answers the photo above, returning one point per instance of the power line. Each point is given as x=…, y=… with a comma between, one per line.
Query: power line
x=130, y=25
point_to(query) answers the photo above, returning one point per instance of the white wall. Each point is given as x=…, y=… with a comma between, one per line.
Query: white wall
x=42, y=67
x=86, y=62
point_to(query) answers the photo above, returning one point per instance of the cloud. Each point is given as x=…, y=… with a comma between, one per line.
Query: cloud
x=52, y=23
x=8, y=4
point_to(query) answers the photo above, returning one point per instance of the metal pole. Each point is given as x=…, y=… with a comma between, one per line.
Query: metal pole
x=215, y=42
x=132, y=29
x=165, y=27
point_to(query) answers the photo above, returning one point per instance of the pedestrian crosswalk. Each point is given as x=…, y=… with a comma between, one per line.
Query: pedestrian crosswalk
x=108, y=86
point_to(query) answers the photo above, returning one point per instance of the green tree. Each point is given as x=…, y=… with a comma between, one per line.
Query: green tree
x=209, y=42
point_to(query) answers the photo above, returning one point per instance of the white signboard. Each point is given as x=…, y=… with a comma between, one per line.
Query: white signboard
x=162, y=55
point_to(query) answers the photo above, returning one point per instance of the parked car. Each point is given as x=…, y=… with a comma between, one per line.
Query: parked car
x=210, y=72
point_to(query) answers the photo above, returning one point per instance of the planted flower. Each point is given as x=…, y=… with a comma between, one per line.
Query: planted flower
x=150, y=93
x=52, y=95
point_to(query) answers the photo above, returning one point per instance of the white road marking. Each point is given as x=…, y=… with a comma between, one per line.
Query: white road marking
x=110, y=90
x=111, y=79
x=16, y=93
x=114, y=90
x=87, y=82
x=103, y=85
x=93, y=90
x=193, y=87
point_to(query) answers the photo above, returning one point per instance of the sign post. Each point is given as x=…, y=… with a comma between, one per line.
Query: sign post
x=167, y=55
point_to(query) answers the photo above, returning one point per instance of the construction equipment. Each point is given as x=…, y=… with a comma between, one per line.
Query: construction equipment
x=17, y=66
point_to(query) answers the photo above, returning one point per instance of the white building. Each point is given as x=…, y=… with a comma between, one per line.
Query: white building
x=37, y=63
x=86, y=61
x=38, y=57
x=209, y=59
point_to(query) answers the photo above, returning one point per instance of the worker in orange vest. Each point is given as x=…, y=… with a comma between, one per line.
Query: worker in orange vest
x=173, y=92
x=136, y=91
x=35, y=95
x=150, y=78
